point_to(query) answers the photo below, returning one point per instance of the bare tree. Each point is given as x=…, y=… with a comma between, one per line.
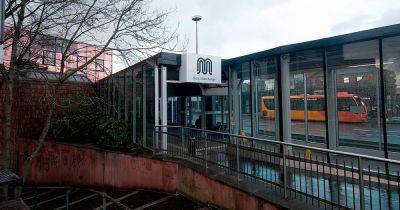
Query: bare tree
x=129, y=28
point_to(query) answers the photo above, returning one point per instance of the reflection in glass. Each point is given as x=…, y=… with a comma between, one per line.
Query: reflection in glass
x=307, y=98
x=115, y=96
x=173, y=112
x=195, y=110
x=149, y=105
x=128, y=98
x=216, y=113
x=121, y=99
x=245, y=99
x=391, y=70
x=265, y=95
x=354, y=70
x=139, y=105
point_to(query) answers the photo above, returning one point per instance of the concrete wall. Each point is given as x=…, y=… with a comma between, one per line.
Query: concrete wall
x=63, y=165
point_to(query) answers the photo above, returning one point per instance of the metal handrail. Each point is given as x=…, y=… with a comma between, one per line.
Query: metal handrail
x=195, y=144
x=291, y=144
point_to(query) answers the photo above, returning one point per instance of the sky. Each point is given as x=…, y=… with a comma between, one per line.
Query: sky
x=232, y=28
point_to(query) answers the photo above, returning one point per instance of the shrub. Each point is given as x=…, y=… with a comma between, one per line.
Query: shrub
x=81, y=120
x=113, y=133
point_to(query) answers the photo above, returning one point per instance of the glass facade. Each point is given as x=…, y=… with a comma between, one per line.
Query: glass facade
x=391, y=76
x=337, y=96
x=338, y=93
x=245, y=99
x=266, y=112
x=139, y=105
x=307, y=99
x=216, y=110
x=149, y=107
x=354, y=74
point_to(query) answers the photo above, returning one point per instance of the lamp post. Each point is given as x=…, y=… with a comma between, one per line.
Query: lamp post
x=196, y=19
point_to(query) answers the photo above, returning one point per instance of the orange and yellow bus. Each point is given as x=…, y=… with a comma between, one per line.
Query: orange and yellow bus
x=351, y=107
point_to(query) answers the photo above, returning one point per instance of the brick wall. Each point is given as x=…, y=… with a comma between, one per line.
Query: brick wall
x=30, y=104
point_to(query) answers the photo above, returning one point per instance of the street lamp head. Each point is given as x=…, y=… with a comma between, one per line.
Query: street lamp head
x=196, y=18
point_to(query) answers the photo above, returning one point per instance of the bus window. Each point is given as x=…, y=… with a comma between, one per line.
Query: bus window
x=297, y=104
x=359, y=105
x=343, y=104
x=316, y=104
x=269, y=103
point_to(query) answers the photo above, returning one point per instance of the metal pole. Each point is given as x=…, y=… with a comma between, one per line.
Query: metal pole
x=104, y=202
x=182, y=141
x=284, y=173
x=154, y=140
x=197, y=42
x=196, y=18
x=305, y=107
x=164, y=107
x=205, y=138
x=361, y=184
x=237, y=159
x=67, y=199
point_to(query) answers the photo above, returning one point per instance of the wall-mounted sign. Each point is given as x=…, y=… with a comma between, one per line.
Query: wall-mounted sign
x=199, y=68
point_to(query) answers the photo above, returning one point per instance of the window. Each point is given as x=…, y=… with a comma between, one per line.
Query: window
x=316, y=104
x=266, y=118
x=81, y=60
x=99, y=65
x=391, y=75
x=245, y=98
x=49, y=58
x=269, y=104
x=353, y=77
x=307, y=96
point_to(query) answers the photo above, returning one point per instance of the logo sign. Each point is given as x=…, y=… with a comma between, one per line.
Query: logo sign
x=196, y=68
x=204, y=66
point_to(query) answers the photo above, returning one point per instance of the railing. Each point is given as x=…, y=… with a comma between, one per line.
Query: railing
x=318, y=177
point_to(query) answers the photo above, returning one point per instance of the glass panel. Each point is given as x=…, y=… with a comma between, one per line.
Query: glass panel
x=173, y=112
x=116, y=96
x=265, y=94
x=245, y=99
x=128, y=99
x=216, y=113
x=354, y=70
x=121, y=100
x=391, y=67
x=307, y=98
x=194, y=115
x=149, y=105
x=139, y=105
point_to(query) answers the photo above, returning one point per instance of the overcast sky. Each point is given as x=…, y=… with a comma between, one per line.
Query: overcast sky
x=232, y=28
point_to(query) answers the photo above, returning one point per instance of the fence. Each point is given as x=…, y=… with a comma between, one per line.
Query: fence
x=322, y=178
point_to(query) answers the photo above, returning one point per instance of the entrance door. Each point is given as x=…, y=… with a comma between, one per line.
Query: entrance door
x=216, y=111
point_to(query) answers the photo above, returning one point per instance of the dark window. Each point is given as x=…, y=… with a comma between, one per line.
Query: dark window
x=81, y=60
x=391, y=73
x=316, y=104
x=99, y=65
x=343, y=104
x=297, y=104
x=270, y=104
x=49, y=58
